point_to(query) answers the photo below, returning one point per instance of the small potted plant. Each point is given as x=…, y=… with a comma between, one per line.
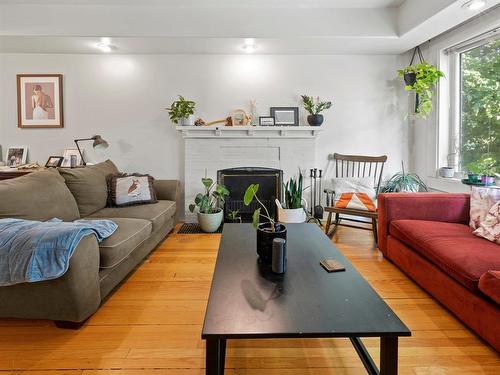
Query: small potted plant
x=266, y=231
x=473, y=172
x=209, y=205
x=487, y=166
x=404, y=182
x=422, y=79
x=315, y=107
x=182, y=111
x=233, y=217
x=292, y=210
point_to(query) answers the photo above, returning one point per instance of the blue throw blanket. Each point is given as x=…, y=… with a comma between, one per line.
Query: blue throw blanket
x=33, y=251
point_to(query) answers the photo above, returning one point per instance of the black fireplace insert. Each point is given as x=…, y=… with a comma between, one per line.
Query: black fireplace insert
x=237, y=180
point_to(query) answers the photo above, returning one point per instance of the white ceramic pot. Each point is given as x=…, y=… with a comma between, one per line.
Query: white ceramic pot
x=209, y=223
x=187, y=121
x=446, y=172
x=292, y=215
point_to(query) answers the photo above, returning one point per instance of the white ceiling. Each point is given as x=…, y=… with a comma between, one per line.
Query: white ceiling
x=221, y=26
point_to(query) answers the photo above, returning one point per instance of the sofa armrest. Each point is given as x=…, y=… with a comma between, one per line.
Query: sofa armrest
x=72, y=297
x=169, y=190
x=446, y=207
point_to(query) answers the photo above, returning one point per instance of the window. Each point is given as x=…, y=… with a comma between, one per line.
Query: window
x=475, y=104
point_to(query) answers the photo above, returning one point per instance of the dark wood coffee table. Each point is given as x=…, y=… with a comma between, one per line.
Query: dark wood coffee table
x=247, y=301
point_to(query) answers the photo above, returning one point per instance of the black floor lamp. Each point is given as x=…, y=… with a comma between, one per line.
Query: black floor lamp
x=99, y=144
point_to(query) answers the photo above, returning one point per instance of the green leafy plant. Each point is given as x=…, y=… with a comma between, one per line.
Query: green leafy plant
x=426, y=78
x=180, y=109
x=250, y=195
x=314, y=106
x=486, y=166
x=212, y=199
x=233, y=215
x=404, y=182
x=293, y=193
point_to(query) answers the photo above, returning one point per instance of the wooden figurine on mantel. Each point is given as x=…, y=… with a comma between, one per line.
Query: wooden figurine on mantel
x=238, y=118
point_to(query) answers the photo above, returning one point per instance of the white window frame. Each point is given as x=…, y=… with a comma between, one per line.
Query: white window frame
x=453, y=61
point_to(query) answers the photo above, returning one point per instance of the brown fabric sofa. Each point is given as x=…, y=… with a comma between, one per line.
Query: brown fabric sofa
x=95, y=269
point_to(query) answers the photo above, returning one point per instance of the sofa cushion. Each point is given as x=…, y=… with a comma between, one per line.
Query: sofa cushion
x=489, y=284
x=451, y=247
x=158, y=213
x=37, y=196
x=130, y=234
x=88, y=185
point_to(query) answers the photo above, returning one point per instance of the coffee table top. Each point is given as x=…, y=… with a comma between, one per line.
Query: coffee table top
x=248, y=301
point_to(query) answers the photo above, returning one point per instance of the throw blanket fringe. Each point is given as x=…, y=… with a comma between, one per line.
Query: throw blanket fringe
x=32, y=251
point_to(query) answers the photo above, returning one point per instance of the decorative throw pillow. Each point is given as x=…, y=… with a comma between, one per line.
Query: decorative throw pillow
x=481, y=201
x=356, y=201
x=131, y=189
x=489, y=228
x=354, y=185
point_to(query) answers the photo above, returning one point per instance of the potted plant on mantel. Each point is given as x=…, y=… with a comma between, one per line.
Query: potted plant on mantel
x=315, y=107
x=293, y=209
x=209, y=205
x=182, y=111
x=422, y=79
x=266, y=231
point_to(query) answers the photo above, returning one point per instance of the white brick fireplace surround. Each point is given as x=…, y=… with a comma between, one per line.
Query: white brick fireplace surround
x=214, y=148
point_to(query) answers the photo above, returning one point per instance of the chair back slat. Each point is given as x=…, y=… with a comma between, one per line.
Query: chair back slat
x=366, y=166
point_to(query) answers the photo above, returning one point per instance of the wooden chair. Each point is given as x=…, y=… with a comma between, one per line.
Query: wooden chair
x=355, y=166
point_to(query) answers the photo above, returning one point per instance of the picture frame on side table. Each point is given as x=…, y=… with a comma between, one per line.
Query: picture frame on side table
x=54, y=161
x=266, y=121
x=40, y=101
x=16, y=156
x=70, y=153
x=285, y=116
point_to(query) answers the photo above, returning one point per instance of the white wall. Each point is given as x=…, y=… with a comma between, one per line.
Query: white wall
x=122, y=97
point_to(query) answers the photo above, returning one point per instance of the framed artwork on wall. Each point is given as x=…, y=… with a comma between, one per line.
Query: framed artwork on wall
x=40, y=100
x=285, y=116
x=16, y=156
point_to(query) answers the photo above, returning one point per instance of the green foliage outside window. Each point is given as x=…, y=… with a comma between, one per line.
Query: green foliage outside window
x=480, y=104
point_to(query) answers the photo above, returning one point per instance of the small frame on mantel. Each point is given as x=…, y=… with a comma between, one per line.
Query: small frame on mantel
x=285, y=116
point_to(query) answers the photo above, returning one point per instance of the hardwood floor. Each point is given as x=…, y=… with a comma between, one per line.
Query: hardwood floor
x=152, y=325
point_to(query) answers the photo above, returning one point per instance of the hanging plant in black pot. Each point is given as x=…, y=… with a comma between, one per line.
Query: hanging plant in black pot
x=422, y=79
x=266, y=231
x=315, y=107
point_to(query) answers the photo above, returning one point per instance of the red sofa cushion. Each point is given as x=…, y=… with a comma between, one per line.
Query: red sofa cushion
x=450, y=246
x=489, y=284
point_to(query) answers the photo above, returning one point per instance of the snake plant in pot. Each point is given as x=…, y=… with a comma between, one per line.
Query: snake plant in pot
x=209, y=205
x=293, y=208
x=268, y=230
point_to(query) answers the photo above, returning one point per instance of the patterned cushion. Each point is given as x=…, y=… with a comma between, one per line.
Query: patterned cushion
x=489, y=228
x=353, y=185
x=481, y=201
x=356, y=201
x=127, y=190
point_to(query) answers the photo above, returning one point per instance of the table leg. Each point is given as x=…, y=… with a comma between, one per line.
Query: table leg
x=388, y=356
x=215, y=356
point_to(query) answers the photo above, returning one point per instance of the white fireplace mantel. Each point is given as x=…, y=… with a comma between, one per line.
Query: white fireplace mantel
x=249, y=131
x=212, y=148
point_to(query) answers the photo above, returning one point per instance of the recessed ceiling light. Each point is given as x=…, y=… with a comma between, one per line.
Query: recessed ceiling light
x=474, y=4
x=249, y=48
x=104, y=47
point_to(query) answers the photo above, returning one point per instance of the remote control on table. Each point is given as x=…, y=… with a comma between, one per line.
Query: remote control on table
x=331, y=265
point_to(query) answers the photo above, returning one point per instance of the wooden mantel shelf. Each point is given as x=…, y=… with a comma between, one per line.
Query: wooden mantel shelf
x=249, y=131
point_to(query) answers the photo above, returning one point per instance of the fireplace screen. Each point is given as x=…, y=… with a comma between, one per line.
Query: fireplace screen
x=236, y=180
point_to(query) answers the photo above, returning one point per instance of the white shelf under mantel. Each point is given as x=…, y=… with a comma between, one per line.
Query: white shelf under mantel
x=248, y=131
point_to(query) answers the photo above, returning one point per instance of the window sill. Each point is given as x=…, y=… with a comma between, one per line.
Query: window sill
x=448, y=185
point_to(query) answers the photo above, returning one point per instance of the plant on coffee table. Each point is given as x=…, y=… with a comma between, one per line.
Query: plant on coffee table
x=266, y=231
x=209, y=205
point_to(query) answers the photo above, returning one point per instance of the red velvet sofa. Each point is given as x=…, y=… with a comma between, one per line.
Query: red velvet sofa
x=427, y=236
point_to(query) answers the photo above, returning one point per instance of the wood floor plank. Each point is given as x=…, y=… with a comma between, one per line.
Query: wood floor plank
x=152, y=325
